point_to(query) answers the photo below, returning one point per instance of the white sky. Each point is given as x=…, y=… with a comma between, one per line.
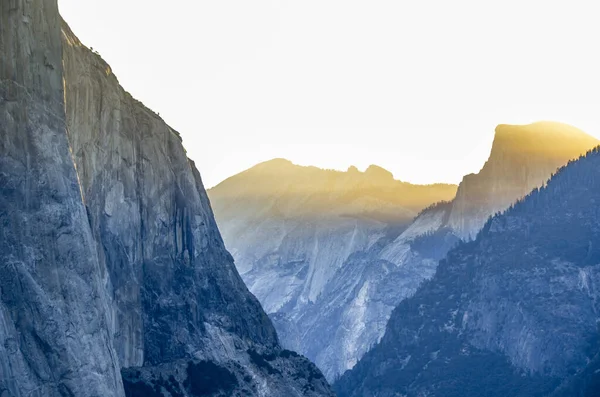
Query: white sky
x=414, y=86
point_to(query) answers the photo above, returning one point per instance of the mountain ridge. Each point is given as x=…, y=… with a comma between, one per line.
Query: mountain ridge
x=297, y=229
x=280, y=165
x=519, y=301
x=522, y=157
x=385, y=263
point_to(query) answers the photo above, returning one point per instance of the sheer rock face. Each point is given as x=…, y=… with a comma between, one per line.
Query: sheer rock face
x=350, y=316
x=169, y=270
x=307, y=242
x=111, y=258
x=522, y=158
x=54, y=334
x=514, y=312
x=326, y=252
x=177, y=295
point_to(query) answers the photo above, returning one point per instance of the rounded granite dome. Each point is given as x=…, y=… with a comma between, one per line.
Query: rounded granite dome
x=545, y=137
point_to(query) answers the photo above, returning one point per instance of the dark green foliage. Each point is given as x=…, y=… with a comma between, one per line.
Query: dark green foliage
x=140, y=389
x=135, y=386
x=586, y=383
x=206, y=378
x=314, y=373
x=436, y=244
x=288, y=354
x=172, y=386
x=440, y=205
x=531, y=270
x=262, y=361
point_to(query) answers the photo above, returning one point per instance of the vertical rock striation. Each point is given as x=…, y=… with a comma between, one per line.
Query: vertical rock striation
x=114, y=279
x=307, y=240
x=326, y=252
x=54, y=334
x=179, y=303
x=154, y=227
x=514, y=312
x=522, y=158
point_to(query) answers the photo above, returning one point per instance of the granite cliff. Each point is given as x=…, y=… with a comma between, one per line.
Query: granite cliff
x=329, y=271
x=303, y=237
x=514, y=312
x=55, y=337
x=115, y=278
x=522, y=158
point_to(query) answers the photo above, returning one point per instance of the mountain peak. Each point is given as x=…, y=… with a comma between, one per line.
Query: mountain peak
x=275, y=165
x=377, y=172
x=523, y=157
x=277, y=162
x=548, y=138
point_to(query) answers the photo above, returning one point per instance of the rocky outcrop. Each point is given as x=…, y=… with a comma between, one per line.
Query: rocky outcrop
x=114, y=260
x=514, y=312
x=54, y=308
x=522, y=158
x=307, y=244
x=330, y=254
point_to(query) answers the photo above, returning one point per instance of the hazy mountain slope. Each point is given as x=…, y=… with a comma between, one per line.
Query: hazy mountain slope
x=329, y=273
x=521, y=159
x=111, y=255
x=351, y=314
x=54, y=334
x=513, y=313
x=285, y=190
x=291, y=229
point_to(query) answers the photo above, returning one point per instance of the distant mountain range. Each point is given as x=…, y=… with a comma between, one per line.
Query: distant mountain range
x=513, y=313
x=115, y=280
x=292, y=228
x=330, y=254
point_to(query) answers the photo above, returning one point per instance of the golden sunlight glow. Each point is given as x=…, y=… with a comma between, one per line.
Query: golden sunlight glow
x=549, y=139
x=314, y=192
x=416, y=87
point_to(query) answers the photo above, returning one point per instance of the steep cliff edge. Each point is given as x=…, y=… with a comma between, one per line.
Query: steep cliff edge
x=176, y=293
x=522, y=158
x=326, y=252
x=112, y=260
x=514, y=312
x=153, y=223
x=54, y=323
x=302, y=238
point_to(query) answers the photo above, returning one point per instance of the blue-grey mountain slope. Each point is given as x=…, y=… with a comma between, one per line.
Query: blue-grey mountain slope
x=115, y=280
x=293, y=231
x=330, y=254
x=55, y=337
x=512, y=313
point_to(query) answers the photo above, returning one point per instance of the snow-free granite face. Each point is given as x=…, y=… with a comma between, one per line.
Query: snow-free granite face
x=513, y=313
x=351, y=314
x=299, y=224
x=297, y=233
x=55, y=338
x=330, y=254
x=112, y=258
x=522, y=158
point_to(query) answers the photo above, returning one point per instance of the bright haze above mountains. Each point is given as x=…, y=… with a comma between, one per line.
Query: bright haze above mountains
x=415, y=87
